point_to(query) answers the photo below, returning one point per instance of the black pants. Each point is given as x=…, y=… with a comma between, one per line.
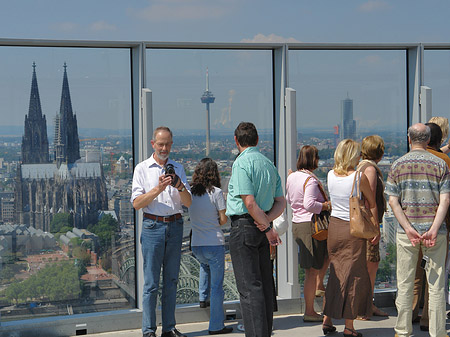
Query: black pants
x=252, y=267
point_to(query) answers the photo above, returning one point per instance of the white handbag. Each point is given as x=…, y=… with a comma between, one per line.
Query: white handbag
x=280, y=224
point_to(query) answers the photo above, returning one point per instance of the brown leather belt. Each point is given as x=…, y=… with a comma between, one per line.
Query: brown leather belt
x=170, y=218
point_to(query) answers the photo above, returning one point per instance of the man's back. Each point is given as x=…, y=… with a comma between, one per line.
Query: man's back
x=253, y=174
x=417, y=179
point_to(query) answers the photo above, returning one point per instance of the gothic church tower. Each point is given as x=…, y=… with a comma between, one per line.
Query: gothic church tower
x=34, y=140
x=67, y=144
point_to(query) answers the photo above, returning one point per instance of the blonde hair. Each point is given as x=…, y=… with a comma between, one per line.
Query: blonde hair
x=346, y=156
x=443, y=124
x=372, y=147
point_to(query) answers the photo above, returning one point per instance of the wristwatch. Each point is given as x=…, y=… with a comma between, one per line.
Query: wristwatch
x=268, y=228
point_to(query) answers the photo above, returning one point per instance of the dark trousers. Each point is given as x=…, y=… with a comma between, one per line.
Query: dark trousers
x=252, y=267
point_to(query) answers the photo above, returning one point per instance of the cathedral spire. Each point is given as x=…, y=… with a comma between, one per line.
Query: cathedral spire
x=67, y=144
x=34, y=140
x=34, y=110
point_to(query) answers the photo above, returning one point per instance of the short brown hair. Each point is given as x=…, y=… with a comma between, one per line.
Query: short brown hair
x=161, y=128
x=372, y=147
x=246, y=134
x=307, y=158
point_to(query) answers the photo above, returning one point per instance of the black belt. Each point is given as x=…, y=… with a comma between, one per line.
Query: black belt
x=242, y=216
x=169, y=218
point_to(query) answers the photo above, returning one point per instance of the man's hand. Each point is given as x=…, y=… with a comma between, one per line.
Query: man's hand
x=164, y=181
x=413, y=236
x=375, y=240
x=429, y=238
x=273, y=238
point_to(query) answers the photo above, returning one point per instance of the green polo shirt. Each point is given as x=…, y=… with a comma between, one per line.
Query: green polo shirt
x=252, y=174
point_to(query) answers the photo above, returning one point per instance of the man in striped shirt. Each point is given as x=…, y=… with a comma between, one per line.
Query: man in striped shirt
x=418, y=186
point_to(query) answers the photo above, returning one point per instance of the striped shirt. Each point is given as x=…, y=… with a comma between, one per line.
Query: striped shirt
x=417, y=179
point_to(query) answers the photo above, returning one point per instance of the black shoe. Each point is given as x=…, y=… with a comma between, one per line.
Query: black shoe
x=149, y=334
x=204, y=304
x=226, y=329
x=172, y=333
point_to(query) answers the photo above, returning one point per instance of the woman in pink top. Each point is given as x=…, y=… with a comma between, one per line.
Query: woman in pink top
x=303, y=193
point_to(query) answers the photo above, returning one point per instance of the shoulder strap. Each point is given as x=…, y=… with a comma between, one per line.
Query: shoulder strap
x=357, y=185
x=304, y=185
x=320, y=188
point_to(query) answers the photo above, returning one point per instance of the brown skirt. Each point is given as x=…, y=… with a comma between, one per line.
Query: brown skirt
x=348, y=292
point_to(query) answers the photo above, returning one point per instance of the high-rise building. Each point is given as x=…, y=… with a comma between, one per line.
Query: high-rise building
x=348, y=124
x=66, y=185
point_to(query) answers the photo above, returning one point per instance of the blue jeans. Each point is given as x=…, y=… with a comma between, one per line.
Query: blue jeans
x=212, y=268
x=161, y=247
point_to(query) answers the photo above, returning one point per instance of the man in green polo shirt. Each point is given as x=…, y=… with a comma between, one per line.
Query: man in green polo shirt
x=255, y=198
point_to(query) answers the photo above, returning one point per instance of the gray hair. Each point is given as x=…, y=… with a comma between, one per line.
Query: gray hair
x=417, y=135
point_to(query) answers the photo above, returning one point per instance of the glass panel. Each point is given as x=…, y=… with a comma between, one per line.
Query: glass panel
x=66, y=223
x=353, y=94
x=238, y=88
x=437, y=77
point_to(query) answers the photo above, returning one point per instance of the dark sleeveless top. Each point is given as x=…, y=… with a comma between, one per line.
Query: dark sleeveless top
x=379, y=193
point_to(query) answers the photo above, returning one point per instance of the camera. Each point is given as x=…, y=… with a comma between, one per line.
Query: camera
x=169, y=169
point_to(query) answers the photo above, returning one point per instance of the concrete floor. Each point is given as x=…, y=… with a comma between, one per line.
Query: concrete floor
x=290, y=325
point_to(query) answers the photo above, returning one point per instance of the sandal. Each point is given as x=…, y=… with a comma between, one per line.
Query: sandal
x=328, y=329
x=352, y=334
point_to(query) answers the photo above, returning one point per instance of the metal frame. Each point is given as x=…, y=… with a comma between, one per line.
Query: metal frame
x=285, y=144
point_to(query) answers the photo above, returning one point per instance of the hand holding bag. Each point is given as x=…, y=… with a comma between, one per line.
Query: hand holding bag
x=319, y=222
x=362, y=222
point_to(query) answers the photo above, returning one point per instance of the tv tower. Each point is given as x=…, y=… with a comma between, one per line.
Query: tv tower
x=207, y=98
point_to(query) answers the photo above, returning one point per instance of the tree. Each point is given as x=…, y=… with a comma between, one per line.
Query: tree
x=61, y=220
x=107, y=229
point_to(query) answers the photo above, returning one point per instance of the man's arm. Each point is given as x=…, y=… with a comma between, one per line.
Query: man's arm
x=412, y=234
x=429, y=237
x=253, y=209
x=262, y=219
x=144, y=199
x=278, y=207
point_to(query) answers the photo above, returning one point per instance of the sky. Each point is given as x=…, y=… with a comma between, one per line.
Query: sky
x=228, y=20
x=240, y=80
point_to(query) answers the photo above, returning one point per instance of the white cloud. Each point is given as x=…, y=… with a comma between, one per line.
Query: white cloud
x=183, y=10
x=370, y=60
x=102, y=26
x=272, y=38
x=65, y=26
x=374, y=5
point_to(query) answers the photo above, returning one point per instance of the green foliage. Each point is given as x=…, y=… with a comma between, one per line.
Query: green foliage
x=60, y=221
x=56, y=282
x=107, y=229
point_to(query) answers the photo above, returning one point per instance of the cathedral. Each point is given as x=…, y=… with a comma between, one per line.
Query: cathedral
x=62, y=184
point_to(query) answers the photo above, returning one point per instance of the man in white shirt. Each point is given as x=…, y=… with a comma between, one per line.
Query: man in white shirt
x=160, y=189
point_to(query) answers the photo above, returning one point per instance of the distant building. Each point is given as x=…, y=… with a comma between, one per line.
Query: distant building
x=348, y=124
x=8, y=210
x=24, y=239
x=44, y=189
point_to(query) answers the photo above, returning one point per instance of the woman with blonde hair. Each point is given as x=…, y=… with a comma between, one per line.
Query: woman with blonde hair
x=372, y=150
x=348, y=292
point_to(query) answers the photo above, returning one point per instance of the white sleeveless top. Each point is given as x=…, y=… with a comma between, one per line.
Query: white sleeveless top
x=339, y=189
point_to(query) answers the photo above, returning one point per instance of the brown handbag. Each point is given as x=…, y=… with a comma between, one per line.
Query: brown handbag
x=319, y=222
x=362, y=222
